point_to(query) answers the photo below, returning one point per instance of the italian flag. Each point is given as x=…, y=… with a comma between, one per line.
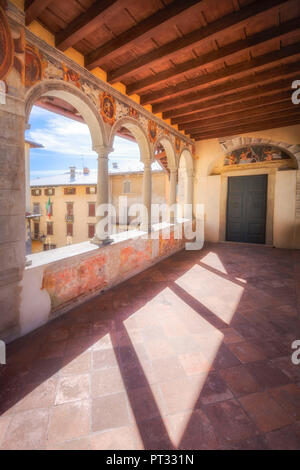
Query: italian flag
x=48, y=208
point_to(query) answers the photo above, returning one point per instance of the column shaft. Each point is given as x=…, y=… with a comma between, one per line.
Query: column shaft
x=147, y=197
x=172, y=199
x=102, y=235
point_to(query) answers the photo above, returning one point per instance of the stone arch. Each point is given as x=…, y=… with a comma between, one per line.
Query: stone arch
x=229, y=145
x=139, y=134
x=166, y=142
x=185, y=182
x=76, y=98
x=188, y=159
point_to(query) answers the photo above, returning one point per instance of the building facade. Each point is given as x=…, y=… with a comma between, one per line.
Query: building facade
x=71, y=216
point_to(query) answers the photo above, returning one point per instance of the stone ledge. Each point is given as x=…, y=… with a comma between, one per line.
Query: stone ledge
x=80, y=249
x=57, y=280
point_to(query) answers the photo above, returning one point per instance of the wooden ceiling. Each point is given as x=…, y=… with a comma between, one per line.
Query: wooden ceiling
x=215, y=68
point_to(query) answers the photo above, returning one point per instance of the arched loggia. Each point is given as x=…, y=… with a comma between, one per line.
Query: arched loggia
x=165, y=143
x=91, y=116
x=79, y=100
x=185, y=183
x=146, y=156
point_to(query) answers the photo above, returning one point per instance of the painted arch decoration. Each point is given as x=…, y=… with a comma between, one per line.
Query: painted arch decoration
x=255, y=154
x=35, y=61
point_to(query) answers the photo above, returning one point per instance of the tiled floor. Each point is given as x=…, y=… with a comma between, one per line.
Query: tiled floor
x=194, y=353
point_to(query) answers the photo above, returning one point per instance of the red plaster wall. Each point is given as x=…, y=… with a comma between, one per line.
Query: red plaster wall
x=70, y=282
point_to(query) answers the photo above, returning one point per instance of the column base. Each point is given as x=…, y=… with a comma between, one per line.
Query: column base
x=28, y=262
x=97, y=241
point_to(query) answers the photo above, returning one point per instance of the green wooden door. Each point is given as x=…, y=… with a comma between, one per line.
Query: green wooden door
x=246, y=209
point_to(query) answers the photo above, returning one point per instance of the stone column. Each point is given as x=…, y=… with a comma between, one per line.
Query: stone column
x=189, y=193
x=12, y=187
x=147, y=197
x=102, y=236
x=172, y=198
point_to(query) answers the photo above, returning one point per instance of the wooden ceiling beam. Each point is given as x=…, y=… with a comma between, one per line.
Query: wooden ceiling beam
x=289, y=112
x=235, y=107
x=281, y=71
x=34, y=9
x=216, y=56
x=258, y=126
x=141, y=30
x=83, y=25
x=269, y=88
x=228, y=72
x=283, y=106
x=207, y=33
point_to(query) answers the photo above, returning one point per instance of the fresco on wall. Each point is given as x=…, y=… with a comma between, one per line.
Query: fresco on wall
x=177, y=144
x=255, y=154
x=108, y=108
x=152, y=131
x=6, y=46
x=133, y=112
x=34, y=66
x=71, y=76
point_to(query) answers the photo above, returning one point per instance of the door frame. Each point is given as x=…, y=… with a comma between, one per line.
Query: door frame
x=271, y=173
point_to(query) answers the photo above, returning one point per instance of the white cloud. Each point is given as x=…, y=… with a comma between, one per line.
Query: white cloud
x=64, y=136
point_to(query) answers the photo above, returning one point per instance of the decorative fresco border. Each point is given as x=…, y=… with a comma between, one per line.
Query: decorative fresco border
x=42, y=61
x=57, y=65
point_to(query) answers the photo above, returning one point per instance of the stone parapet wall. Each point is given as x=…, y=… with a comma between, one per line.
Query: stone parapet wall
x=60, y=279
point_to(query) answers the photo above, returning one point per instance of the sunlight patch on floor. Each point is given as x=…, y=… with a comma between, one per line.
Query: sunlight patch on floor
x=220, y=296
x=212, y=260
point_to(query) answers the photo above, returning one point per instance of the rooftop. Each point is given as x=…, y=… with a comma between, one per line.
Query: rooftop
x=81, y=178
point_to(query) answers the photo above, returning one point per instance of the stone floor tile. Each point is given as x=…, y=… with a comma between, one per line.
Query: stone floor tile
x=239, y=380
x=230, y=421
x=72, y=388
x=110, y=411
x=27, y=431
x=246, y=352
x=266, y=413
x=69, y=421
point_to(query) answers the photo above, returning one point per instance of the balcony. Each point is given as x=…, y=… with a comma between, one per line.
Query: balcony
x=69, y=218
x=38, y=236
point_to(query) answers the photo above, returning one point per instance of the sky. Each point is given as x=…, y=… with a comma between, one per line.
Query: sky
x=68, y=143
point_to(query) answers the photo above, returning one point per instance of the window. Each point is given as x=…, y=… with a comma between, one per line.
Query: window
x=36, y=192
x=70, y=212
x=49, y=246
x=69, y=230
x=36, y=208
x=70, y=190
x=126, y=187
x=49, y=228
x=70, y=208
x=91, y=230
x=92, y=209
x=91, y=190
x=49, y=192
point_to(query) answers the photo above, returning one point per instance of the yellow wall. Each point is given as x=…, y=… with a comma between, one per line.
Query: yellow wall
x=286, y=228
x=208, y=189
x=80, y=206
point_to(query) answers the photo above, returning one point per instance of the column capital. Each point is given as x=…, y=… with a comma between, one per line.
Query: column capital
x=173, y=170
x=147, y=164
x=190, y=173
x=103, y=151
